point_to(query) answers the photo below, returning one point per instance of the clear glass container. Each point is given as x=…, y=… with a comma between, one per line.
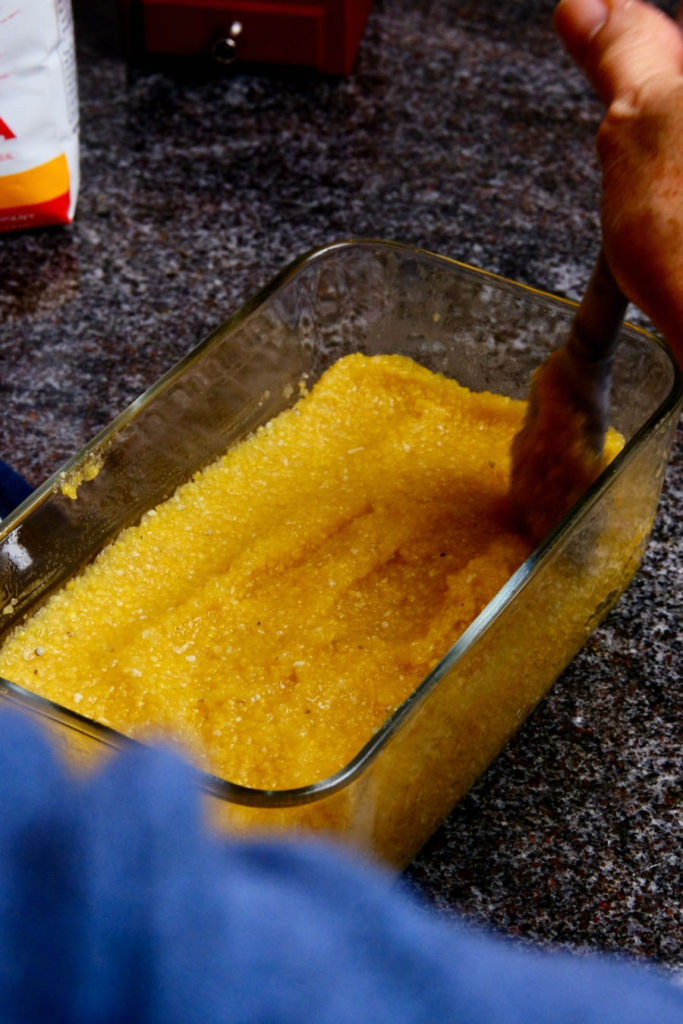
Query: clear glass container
x=488, y=333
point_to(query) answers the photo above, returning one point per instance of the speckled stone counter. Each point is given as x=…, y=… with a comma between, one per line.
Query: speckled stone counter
x=464, y=129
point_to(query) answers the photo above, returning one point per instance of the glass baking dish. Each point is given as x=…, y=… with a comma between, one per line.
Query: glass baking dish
x=488, y=333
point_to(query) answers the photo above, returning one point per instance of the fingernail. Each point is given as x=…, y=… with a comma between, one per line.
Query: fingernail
x=587, y=16
x=595, y=13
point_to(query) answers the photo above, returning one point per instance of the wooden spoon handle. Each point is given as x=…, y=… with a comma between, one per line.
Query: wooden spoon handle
x=595, y=331
x=592, y=341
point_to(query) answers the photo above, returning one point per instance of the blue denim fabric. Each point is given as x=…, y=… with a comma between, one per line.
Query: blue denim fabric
x=117, y=905
x=13, y=489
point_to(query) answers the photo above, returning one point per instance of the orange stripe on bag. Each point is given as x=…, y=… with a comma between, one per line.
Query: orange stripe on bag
x=39, y=185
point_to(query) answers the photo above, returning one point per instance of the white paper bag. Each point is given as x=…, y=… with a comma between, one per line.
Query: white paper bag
x=38, y=114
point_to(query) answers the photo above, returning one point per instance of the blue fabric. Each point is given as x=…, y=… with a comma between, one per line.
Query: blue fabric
x=117, y=906
x=13, y=489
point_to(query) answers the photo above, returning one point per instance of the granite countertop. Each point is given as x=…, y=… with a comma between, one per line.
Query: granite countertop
x=463, y=129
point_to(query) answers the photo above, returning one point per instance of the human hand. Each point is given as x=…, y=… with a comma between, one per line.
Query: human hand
x=633, y=55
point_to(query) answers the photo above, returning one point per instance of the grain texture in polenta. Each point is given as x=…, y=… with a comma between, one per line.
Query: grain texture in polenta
x=274, y=611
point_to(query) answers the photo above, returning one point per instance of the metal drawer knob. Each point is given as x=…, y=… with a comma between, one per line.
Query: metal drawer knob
x=224, y=47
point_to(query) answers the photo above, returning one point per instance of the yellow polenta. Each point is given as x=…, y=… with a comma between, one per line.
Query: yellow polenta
x=274, y=611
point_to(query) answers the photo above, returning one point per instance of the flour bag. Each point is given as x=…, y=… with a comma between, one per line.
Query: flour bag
x=38, y=114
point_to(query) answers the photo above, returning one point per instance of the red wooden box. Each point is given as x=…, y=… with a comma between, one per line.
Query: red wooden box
x=322, y=34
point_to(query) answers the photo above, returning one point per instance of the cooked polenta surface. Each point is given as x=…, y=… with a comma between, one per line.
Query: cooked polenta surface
x=281, y=604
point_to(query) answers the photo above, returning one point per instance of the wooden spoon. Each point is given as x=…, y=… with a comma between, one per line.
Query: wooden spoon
x=559, y=451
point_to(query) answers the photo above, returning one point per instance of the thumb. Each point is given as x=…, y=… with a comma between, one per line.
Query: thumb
x=621, y=45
